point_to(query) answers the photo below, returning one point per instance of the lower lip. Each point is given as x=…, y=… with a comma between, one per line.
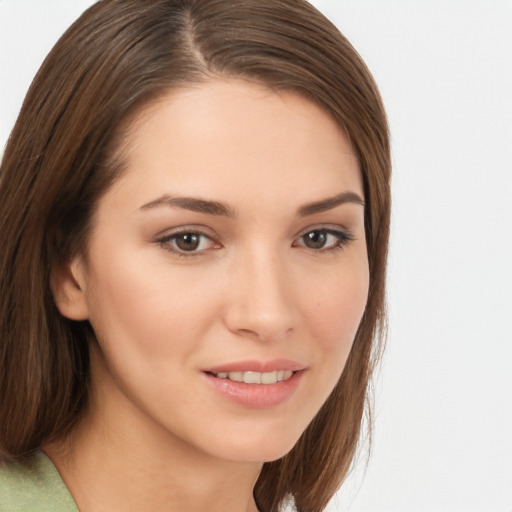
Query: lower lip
x=256, y=396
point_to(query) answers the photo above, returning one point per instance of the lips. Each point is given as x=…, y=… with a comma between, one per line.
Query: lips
x=256, y=377
x=257, y=366
x=256, y=384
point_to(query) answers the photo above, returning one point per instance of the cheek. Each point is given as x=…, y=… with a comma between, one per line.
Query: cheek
x=335, y=310
x=142, y=307
x=332, y=315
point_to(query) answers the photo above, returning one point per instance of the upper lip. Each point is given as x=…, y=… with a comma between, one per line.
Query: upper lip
x=257, y=366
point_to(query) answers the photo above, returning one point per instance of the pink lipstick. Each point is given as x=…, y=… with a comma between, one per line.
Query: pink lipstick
x=256, y=384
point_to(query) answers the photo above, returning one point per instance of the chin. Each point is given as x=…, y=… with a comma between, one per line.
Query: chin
x=257, y=447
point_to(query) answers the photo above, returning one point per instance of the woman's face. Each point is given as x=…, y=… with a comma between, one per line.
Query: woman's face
x=232, y=248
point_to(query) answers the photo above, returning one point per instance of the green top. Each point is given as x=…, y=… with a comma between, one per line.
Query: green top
x=34, y=487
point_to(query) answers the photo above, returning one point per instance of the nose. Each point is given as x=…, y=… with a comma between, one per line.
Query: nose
x=261, y=298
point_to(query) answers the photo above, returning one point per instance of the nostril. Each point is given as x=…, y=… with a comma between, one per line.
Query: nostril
x=259, y=311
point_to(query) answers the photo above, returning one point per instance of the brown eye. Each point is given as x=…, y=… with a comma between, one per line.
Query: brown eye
x=324, y=239
x=188, y=241
x=315, y=239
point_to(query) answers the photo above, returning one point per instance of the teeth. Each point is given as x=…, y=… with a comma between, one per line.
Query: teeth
x=252, y=378
x=256, y=377
x=236, y=376
x=269, y=378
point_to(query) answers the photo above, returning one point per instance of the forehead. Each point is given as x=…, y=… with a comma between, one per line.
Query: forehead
x=230, y=139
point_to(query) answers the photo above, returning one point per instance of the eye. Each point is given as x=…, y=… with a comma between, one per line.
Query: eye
x=187, y=242
x=324, y=239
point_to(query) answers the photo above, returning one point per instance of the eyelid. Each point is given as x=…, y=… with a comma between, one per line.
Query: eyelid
x=164, y=239
x=343, y=235
x=185, y=228
x=332, y=228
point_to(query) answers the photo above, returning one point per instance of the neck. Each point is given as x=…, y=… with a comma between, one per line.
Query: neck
x=114, y=461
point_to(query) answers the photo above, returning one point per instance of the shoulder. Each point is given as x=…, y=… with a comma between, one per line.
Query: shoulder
x=33, y=486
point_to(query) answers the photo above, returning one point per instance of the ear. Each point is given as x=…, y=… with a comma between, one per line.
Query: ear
x=68, y=285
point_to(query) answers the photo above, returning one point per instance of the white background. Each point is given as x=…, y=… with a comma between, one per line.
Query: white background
x=443, y=437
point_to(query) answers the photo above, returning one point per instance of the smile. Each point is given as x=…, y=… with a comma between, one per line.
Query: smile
x=253, y=389
x=256, y=377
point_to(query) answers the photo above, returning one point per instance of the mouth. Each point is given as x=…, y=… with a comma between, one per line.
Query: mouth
x=256, y=384
x=251, y=377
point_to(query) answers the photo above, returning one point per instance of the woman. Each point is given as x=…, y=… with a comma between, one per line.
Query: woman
x=194, y=204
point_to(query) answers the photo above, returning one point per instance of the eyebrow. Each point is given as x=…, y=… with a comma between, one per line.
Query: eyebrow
x=193, y=204
x=328, y=204
x=217, y=208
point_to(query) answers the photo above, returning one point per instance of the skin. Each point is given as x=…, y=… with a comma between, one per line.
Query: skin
x=157, y=436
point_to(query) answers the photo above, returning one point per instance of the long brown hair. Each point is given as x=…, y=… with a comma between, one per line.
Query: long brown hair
x=61, y=157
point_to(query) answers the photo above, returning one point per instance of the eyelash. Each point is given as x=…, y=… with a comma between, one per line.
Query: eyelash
x=343, y=239
x=167, y=241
